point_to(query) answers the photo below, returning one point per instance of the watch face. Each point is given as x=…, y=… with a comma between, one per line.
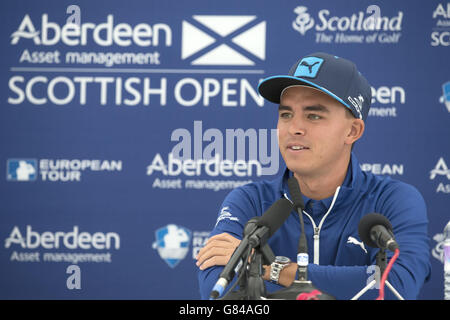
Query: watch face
x=281, y=259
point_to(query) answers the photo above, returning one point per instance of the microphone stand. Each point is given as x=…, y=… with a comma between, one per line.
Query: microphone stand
x=251, y=284
x=255, y=284
x=381, y=261
x=255, y=239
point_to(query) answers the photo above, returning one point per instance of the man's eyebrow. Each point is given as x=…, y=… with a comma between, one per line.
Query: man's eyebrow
x=283, y=108
x=317, y=108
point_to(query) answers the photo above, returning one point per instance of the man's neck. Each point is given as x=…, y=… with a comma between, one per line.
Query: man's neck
x=323, y=186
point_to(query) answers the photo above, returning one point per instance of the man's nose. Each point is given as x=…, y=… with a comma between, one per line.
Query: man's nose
x=297, y=127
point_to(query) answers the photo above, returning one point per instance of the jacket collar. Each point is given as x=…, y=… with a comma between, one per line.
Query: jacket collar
x=350, y=188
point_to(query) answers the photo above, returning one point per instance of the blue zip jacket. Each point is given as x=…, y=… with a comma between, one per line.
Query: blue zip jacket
x=339, y=262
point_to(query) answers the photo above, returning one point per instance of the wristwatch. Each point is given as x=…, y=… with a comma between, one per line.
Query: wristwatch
x=277, y=265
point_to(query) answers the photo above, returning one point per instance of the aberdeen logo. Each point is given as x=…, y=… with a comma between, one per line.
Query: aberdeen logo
x=223, y=40
x=172, y=243
x=308, y=67
x=103, y=34
x=303, y=22
x=441, y=30
x=26, y=30
x=21, y=169
x=446, y=95
x=440, y=169
x=74, y=239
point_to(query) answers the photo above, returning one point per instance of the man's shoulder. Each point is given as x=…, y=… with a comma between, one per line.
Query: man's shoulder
x=243, y=203
x=265, y=190
x=374, y=184
x=393, y=193
x=387, y=184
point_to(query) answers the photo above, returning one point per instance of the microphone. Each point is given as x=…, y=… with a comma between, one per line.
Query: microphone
x=375, y=230
x=256, y=232
x=296, y=194
x=271, y=221
x=302, y=253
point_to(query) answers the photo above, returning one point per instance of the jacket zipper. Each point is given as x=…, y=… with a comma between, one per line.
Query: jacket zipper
x=316, y=235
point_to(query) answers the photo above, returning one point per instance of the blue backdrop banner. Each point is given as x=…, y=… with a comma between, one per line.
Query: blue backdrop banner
x=124, y=124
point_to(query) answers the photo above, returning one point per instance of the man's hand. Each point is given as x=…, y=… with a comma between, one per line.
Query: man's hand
x=217, y=251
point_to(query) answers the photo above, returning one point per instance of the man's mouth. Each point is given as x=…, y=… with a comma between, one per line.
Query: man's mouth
x=297, y=147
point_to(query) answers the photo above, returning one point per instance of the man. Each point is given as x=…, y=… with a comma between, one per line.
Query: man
x=323, y=104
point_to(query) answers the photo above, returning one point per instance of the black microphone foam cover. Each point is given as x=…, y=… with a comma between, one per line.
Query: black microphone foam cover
x=275, y=216
x=296, y=194
x=367, y=223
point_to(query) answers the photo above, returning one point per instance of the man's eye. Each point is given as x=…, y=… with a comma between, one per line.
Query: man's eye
x=285, y=115
x=314, y=116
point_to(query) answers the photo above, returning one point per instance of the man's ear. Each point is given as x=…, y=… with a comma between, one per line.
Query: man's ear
x=356, y=131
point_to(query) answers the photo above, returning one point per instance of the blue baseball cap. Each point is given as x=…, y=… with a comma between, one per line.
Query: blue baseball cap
x=335, y=76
